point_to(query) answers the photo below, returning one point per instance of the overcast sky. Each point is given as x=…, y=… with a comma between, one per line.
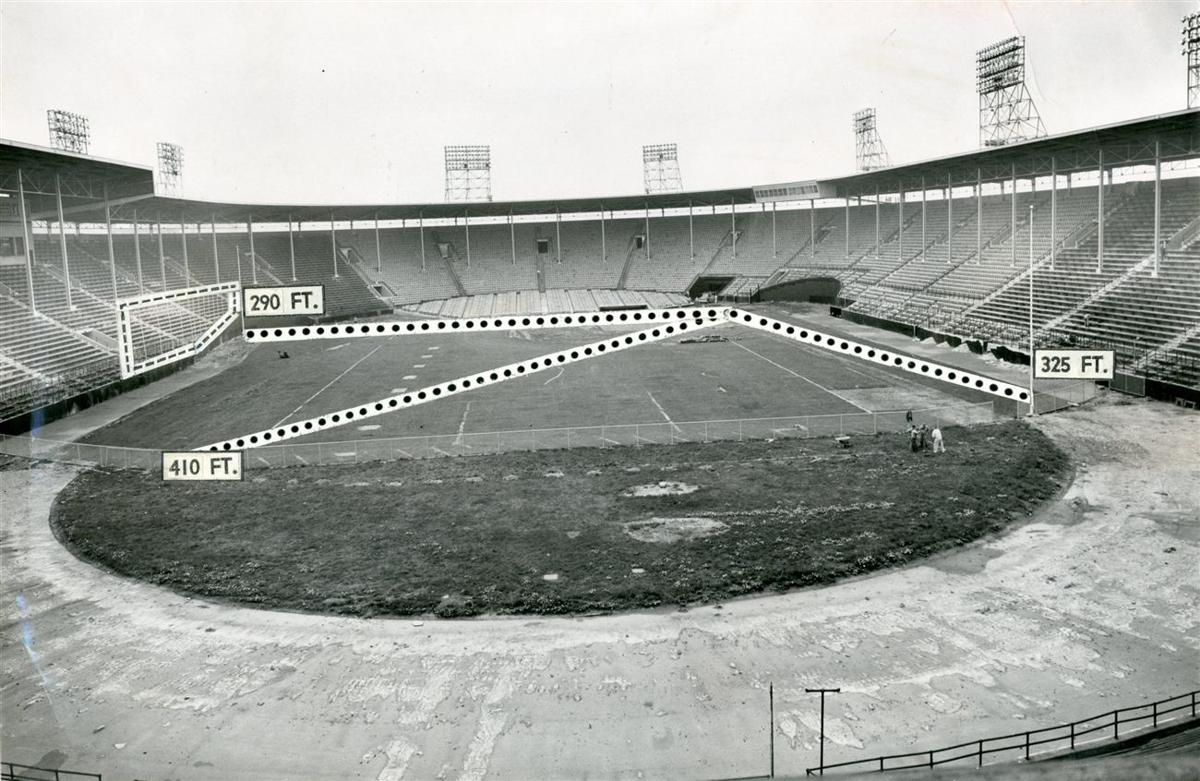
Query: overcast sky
x=352, y=102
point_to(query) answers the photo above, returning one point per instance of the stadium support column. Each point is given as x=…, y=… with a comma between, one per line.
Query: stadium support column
x=691, y=234
x=333, y=243
x=924, y=193
x=253, y=264
x=1158, y=246
x=978, y=215
x=774, y=244
x=900, y=220
x=27, y=237
x=112, y=256
x=162, y=256
x=812, y=228
x=877, y=222
x=137, y=252
x=216, y=260
x=603, y=239
x=1100, y=213
x=647, y=241
x=421, y=231
x=467, y=228
x=558, y=234
x=291, y=248
x=187, y=274
x=512, y=238
x=62, y=241
x=1053, y=209
x=1012, y=226
x=378, y=253
x=1032, y=398
x=733, y=226
x=949, y=220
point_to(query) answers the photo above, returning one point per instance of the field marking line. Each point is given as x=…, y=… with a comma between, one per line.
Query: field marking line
x=802, y=377
x=440, y=451
x=301, y=459
x=331, y=382
x=609, y=441
x=462, y=424
x=336, y=347
x=408, y=377
x=436, y=347
x=426, y=356
x=404, y=453
x=555, y=377
x=418, y=366
x=662, y=411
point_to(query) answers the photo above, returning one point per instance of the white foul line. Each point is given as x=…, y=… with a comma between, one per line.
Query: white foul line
x=801, y=376
x=462, y=425
x=555, y=377
x=331, y=382
x=662, y=411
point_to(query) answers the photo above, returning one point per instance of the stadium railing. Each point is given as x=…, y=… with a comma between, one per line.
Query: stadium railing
x=1020, y=746
x=491, y=442
x=10, y=771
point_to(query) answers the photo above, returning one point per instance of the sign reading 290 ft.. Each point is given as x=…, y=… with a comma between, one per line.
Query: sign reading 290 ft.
x=1073, y=364
x=277, y=301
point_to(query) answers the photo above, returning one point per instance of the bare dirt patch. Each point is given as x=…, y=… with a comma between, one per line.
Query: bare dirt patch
x=668, y=530
x=662, y=488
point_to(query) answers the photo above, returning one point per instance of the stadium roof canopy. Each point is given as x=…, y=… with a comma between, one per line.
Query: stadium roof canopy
x=131, y=187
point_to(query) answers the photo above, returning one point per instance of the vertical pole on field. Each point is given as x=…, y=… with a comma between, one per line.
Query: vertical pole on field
x=512, y=237
x=691, y=233
x=421, y=230
x=137, y=252
x=876, y=222
x=1157, y=205
x=733, y=227
x=979, y=215
x=27, y=237
x=822, y=692
x=923, y=199
x=1012, y=228
x=1032, y=400
x=647, y=241
x=162, y=256
x=112, y=256
x=603, y=238
x=1053, y=210
x=467, y=228
x=1100, y=213
x=949, y=220
x=333, y=243
x=253, y=265
x=771, y=725
x=558, y=233
x=291, y=248
x=378, y=251
x=62, y=241
x=774, y=244
x=216, y=259
x=187, y=274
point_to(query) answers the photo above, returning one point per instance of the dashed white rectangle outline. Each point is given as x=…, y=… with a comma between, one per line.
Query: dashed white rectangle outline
x=131, y=368
x=658, y=332
x=480, y=324
x=884, y=357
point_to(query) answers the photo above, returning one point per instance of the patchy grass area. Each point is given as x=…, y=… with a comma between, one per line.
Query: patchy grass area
x=560, y=531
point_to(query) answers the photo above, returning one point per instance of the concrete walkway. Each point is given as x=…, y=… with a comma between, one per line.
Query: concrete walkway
x=1090, y=606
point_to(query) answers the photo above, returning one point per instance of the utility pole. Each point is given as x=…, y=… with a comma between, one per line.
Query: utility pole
x=822, y=692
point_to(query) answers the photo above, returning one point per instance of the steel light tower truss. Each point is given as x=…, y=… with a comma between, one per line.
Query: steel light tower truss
x=170, y=168
x=1191, y=50
x=869, y=151
x=1006, y=111
x=660, y=168
x=69, y=131
x=468, y=173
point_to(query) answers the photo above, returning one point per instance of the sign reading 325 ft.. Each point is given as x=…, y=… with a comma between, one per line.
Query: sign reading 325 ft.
x=1073, y=364
x=276, y=301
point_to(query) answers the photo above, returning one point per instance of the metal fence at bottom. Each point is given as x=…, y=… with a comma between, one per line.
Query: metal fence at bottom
x=11, y=771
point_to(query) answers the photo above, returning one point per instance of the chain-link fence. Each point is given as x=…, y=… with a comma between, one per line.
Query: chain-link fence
x=491, y=442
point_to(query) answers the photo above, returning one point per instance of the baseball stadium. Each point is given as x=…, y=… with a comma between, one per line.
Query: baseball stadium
x=896, y=469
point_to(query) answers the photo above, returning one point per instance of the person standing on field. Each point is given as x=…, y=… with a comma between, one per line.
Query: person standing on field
x=938, y=445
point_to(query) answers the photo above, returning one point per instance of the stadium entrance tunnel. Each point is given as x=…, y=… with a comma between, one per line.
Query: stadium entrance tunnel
x=820, y=290
x=703, y=285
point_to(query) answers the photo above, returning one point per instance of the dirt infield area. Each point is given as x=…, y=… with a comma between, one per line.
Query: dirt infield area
x=553, y=532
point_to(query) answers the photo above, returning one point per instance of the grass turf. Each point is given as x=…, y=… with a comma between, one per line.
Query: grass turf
x=476, y=535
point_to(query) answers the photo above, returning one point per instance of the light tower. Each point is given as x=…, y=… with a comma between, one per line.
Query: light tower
x=869, y=151
x=68, y=131
x=660, y=168
x=1191, y=50
x=468, y=173
x=1006, y=111
x=170, y=168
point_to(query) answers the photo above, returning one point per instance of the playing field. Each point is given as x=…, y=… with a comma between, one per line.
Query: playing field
x=752, y=375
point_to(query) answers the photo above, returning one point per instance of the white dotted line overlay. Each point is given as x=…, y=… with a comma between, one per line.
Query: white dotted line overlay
x=478, y=324
x=693, y=320
x=884, y=357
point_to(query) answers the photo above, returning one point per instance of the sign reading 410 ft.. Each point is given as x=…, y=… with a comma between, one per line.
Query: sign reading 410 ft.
x=277, y=301
x=1073, y=364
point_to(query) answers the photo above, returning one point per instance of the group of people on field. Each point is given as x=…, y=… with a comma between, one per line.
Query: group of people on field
x=921, y=437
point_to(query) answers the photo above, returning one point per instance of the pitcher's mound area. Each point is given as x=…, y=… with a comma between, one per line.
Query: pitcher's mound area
x=499, y=534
